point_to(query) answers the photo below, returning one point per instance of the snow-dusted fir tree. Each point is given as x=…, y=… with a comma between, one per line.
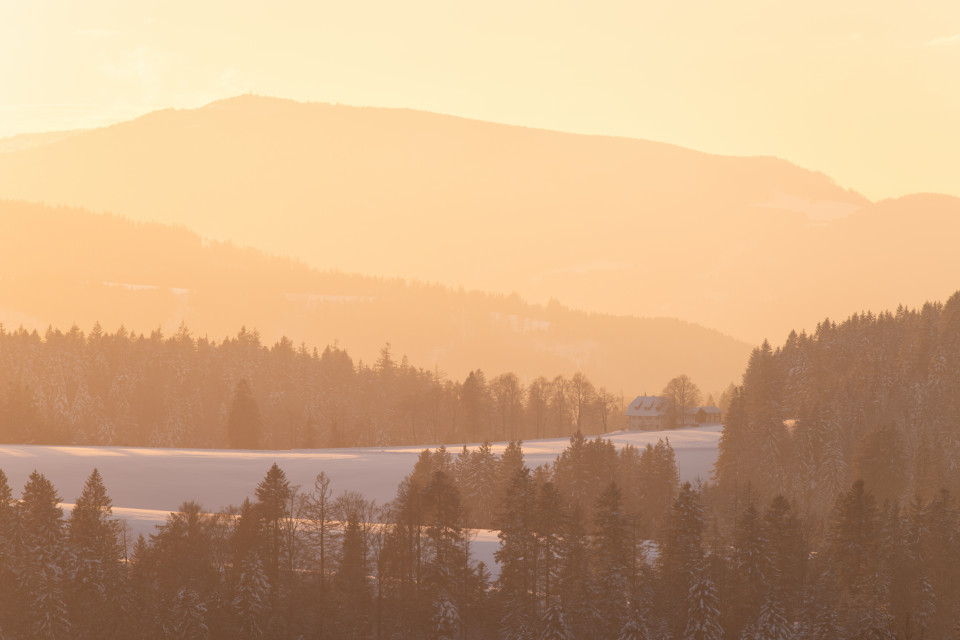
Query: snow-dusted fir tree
x=95, y=576
x=8, y=531
x=634, y=628
x=681, y=555
x=250, y=601
x=751, y=565
x=482, y=482
x=703, y=610
x=553, y=624
x=770, y=625
x=273, y=495
x=41, y=557
x=517, y=558
x=575, y=585
x=186, y=618
x=446, y=617
x=611, y=555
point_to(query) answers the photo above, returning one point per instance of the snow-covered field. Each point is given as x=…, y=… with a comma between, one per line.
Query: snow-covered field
x=146, y=484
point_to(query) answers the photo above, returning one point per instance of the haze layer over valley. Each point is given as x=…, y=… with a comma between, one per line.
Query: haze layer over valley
x=150, y=276
x=753, y=247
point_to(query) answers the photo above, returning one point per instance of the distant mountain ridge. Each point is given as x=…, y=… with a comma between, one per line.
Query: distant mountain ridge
x=62, y=266
x=600, y=223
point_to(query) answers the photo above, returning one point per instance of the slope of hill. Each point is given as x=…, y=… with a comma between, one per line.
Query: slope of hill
x=871, y=398
x=604, y=224
x=62, y=266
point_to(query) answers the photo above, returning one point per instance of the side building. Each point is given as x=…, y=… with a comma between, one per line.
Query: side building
x=649, y=413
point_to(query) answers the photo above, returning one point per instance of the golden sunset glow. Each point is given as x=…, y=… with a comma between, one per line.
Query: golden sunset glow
x=865, y=92
x=498, y=320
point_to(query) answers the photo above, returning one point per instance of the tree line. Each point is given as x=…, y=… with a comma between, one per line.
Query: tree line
x=132, y=389
x=601, y=544
x=298, y=562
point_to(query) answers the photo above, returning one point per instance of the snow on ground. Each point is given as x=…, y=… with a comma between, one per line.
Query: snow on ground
x=147, y=484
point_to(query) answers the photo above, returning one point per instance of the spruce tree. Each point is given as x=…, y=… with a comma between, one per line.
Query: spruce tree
x=703, y=610
x=854, y=545
x=186, y=618
x=751, y=565
x=517, y=558
x=553, y=624
x=41, y=557
x=576, y=583
x=8, y=530
x=95, y=580
x=681, y=555
x=251, y=598
x=273, y=495
x=611, y=561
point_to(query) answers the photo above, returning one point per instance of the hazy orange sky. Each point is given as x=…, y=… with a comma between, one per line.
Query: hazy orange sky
x=867, y=92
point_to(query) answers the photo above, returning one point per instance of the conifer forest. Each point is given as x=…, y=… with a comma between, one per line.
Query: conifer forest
x=831, y=514
x=131, y=389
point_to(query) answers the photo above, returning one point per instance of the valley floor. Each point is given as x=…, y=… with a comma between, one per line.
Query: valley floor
x=145, y=484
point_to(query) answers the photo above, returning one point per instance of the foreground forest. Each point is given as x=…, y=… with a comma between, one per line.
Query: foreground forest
x=180, y=391
x=599, y=545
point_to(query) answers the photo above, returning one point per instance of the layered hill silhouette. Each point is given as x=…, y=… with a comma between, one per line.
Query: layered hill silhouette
x=63, y=266
x=751, y=246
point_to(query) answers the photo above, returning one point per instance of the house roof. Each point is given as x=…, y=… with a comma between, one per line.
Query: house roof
x=646, y=406
x=653, y=406
x=710, y=409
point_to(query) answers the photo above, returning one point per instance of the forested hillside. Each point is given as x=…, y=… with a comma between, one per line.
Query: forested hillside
x=873, y=397
x=146, y=277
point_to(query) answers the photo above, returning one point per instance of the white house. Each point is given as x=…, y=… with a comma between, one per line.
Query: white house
x=648, y=413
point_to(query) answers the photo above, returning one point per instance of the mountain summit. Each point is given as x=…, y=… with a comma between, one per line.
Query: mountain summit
x=751, y=246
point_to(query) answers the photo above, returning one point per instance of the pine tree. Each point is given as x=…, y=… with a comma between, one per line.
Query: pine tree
x=446, y=617
x=611, y=561
x=854, y=545
x=786, y=550
x=634, y=628
x=446, y=559
x=251, y=599
x=95, y=581
x=273, y=495
x=703, y=610
x=8, y=528
x=187, y=617
x=517, y=558
x=681, y=555
x=553, y=624
x=41, y=556
x=352, y=589
x=480, y=490
x=771, y=624
x=576, y=586
x=751, y=564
